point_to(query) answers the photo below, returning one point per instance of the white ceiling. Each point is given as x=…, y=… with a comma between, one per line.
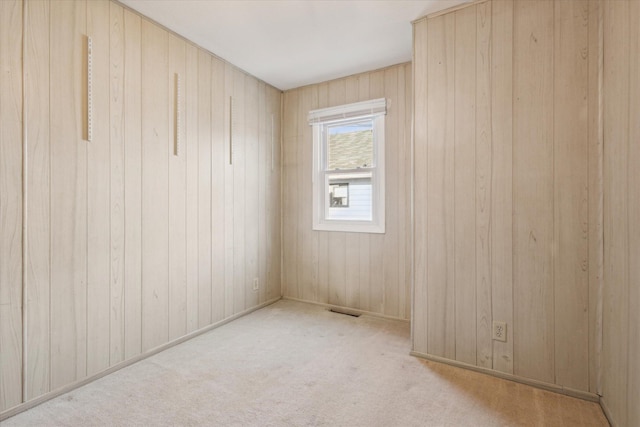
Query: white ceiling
x=292, y=43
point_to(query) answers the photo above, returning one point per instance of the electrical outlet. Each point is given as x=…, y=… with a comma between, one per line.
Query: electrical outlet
x=499, y=331
x=256, y=284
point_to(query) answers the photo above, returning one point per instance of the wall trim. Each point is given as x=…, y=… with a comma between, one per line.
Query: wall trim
x=584, y=395
x=70, y=387
x=349, y=309
x=607, y=412
x=448, y=10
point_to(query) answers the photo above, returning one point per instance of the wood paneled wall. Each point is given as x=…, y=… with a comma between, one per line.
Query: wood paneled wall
x=507, y=188
x=621, y=320
x=128, y=246
x=10, y=203
x=370, y=272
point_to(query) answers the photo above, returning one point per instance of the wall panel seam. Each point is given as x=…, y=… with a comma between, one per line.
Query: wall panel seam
x=50, y=260
x=627, y=279
x=24, y=230
x=600, y=136
x=555, y=243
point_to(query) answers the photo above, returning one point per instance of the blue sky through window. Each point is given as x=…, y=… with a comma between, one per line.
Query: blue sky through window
x=350, y=127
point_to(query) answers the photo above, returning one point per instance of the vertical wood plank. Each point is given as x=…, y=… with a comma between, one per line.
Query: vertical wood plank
x=502, y=179
x=290, y=186
x=596, y=244
x=305, y=260
x=204, y=189
x=633, y=374
x=405, y=84
x=11, y=200
x=420, y=319
x=36, y=68
x=229, y=226
x=533, y=190
x=337, y=240
x=69, y=190
x=218, y=108
x=352, y=274
x=617, y=80
x=484, y=172
x=117, y=183
x=393, y=122
x=275, y=197
x=264, y=163
x=440, y=274
x=269, y=151
x=132, y=185
x=364, y=238
x=251, y=189
x=571, y=194
x=239, y=213
x=364, y=250
x=323, y=236
x=191, y=196
x=307, y=242
x=352, y=279
x=404, y=206
x=376, y=241
x=98, y=195
x=465, y=184
x=177, y=194
x=155, y=194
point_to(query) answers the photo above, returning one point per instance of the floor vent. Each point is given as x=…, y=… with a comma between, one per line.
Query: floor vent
x=343, y=311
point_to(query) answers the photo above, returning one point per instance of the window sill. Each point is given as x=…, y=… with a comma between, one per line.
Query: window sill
x=350, y=227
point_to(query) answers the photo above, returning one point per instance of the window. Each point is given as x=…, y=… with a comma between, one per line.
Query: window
x=348, y=159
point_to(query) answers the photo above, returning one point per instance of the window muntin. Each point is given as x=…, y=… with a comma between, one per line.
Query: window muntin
x=348, y=177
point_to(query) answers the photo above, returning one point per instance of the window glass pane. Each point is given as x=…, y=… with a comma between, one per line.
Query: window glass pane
x=350, y=196
x=350, y=145
x=339, y=195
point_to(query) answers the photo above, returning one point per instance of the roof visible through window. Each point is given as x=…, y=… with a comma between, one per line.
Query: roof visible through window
x=350, y=146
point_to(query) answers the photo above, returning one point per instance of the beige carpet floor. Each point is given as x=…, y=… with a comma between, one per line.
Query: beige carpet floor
x=294, y=364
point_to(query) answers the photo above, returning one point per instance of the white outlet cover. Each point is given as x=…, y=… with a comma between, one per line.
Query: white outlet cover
x=499, y=331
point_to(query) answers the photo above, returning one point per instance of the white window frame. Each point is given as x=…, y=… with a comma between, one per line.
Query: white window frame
x=376, y=110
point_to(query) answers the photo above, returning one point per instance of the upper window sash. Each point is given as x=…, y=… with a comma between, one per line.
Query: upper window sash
x=324, y=128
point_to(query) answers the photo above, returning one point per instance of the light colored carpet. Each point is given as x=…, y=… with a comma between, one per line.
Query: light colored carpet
x=294, y=364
